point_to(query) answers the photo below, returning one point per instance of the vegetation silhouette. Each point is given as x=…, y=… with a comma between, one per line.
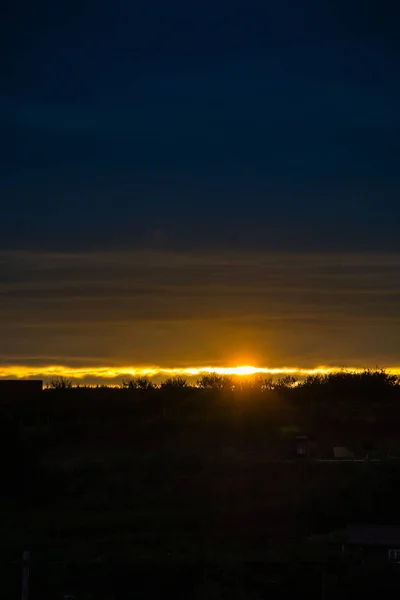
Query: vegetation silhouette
x=60, y=384
x=214, y=381
x=174, y=383
x=138, y=383
x=375, y=385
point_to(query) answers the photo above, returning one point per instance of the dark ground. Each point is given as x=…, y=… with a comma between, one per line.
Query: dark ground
x=129, y=495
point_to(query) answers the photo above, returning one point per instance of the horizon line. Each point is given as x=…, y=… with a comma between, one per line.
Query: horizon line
x=18, y=371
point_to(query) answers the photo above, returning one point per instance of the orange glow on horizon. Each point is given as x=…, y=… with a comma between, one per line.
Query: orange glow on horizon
x=106, y=373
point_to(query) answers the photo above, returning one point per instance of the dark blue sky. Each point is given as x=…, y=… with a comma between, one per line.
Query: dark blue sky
x=257, y=120
x=208, y=127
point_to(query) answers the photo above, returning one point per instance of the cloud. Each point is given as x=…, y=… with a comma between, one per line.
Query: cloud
x=173, y=307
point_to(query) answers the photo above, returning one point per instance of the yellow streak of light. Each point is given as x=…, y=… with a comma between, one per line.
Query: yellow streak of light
x=104, y=373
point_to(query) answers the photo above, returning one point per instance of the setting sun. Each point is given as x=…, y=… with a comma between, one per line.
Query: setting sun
x=243, y=370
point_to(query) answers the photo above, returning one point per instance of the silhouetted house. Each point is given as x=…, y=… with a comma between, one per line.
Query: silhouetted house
x=19, y=389
x=304, y=446
x=373, y=544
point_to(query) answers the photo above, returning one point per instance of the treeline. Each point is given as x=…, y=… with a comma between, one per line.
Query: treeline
x=208, y=381
x=369, y=384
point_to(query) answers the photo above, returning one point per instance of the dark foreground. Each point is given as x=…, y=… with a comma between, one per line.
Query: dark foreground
x=193, y=495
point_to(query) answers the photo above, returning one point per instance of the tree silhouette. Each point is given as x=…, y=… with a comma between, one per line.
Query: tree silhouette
x=253, y=384
x=138, y=383
x=314, y=381
x=60, y=384
x=285, y=383
x=214, y=381
x=352, y=386
x=174, y=383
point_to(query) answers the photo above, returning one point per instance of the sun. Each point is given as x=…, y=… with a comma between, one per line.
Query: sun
x=240, y=370
x=245, y=370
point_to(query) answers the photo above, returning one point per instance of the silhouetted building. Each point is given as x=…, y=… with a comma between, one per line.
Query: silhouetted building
x=19, y=389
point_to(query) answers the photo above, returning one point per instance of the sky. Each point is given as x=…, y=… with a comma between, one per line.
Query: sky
x=188, y=184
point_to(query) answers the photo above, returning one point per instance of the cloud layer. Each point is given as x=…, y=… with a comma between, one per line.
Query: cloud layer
x=190, y=309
